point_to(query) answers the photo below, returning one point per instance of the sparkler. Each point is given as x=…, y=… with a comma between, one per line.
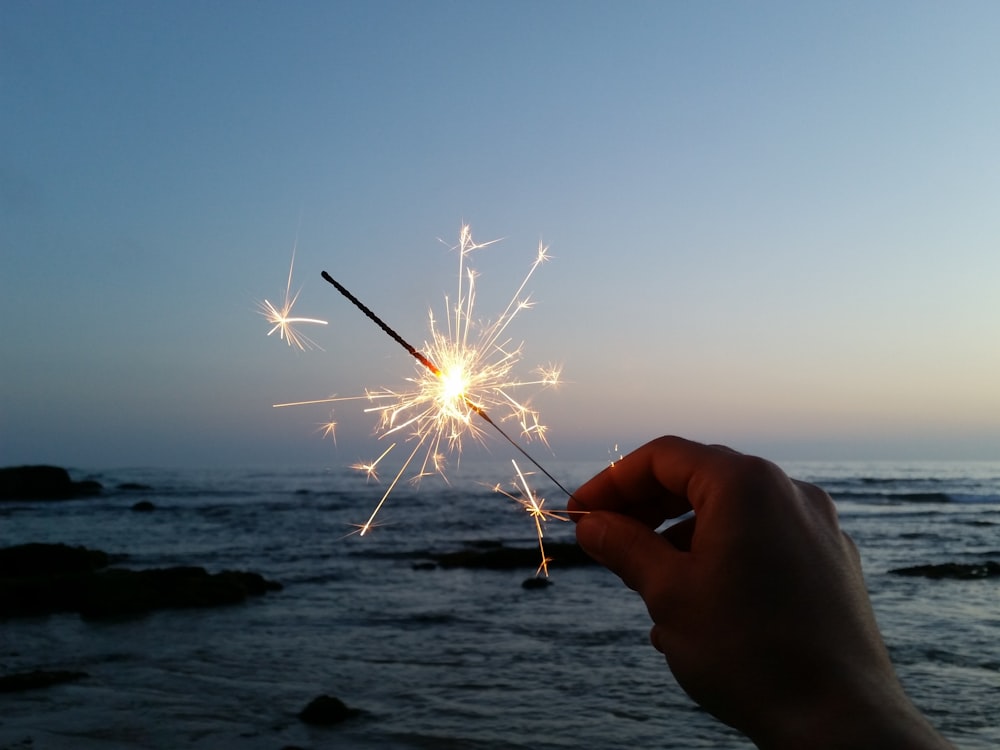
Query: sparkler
x=453, y=384
x=464, y=372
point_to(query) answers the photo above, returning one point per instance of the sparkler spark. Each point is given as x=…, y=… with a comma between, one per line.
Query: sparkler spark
x=464, y=373
x=530, y=501
x=370, y=468
x=283, y=321
x=329, y=429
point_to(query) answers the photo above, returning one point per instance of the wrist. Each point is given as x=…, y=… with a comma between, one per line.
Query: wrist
x=881, y=720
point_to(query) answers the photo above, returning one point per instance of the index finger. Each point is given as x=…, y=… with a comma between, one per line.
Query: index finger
x=653, y=483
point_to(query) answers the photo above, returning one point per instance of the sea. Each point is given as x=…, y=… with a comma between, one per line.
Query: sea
x=449, y=658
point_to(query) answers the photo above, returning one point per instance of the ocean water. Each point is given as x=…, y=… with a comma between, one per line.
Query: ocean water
x=450, y=658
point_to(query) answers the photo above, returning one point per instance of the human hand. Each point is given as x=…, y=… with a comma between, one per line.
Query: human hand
x=758, y=600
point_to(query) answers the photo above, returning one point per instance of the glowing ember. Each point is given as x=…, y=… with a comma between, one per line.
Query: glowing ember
x=282, y=320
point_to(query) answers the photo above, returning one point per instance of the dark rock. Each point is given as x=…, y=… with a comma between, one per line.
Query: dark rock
x=36, y=560
x=118, y=592
x=326, y=711
x=39, y=579
x=961, y=571
x=39, y=678
x=498, y=557
x=535, y=582
x=143, y=506
x=43, y=483
x=134, y=487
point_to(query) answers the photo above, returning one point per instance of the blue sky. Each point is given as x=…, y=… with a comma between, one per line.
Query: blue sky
x=772, y=224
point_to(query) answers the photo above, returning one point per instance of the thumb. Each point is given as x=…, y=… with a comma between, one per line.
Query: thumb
x=627, y=547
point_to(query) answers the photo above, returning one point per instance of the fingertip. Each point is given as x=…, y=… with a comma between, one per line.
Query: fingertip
x=576, y=509
x=589, y=494
x=627, y=547
x=590, y=532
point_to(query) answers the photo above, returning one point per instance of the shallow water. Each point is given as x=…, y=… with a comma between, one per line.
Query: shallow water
x=450, y=658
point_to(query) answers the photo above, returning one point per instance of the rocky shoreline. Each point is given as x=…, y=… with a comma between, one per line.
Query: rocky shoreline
x=41, y=579
x=44, y=483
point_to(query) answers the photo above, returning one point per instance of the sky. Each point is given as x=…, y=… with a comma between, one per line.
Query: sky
x=774, y=225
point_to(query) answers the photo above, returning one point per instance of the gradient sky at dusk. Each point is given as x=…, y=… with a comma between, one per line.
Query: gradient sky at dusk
x=774, y=224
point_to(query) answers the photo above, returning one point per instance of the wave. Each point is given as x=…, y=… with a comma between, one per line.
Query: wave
x=894, y=480
x=892, y=497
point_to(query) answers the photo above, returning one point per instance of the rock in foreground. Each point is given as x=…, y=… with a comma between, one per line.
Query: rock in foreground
x=326, y=710
x=40, y=579
x=39, y=678
x=119, y=592
x=37, y=560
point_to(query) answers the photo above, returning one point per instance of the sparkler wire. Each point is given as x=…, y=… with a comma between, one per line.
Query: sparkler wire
x=422, y=359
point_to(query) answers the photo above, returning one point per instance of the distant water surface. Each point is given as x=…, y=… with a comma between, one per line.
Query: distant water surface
x=450, y=658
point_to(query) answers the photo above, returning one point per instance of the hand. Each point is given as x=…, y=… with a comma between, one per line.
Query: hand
x=758, y=600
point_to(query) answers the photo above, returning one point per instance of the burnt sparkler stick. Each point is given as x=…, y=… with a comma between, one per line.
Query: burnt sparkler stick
x=382, y=324
x=422, y=359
